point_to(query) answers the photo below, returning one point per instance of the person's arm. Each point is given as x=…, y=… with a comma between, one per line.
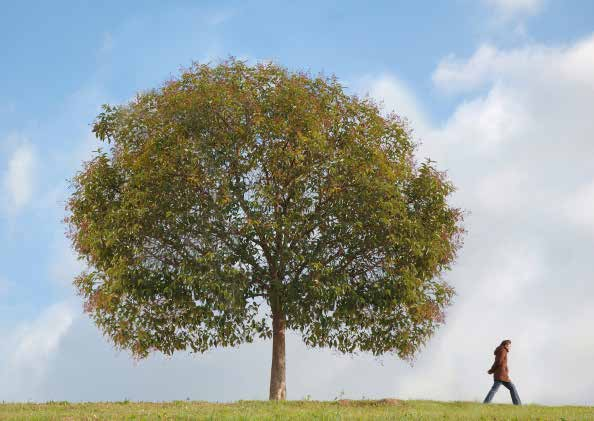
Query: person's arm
x=497, y=363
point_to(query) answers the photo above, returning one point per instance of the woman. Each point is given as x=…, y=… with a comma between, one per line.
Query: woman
x=501, y=374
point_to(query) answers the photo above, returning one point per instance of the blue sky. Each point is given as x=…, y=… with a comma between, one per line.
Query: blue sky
x=499, y=91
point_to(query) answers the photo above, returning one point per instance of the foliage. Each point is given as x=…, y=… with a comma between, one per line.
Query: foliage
x=234, y=191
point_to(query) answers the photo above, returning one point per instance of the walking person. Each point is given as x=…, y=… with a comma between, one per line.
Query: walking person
x=501, y=374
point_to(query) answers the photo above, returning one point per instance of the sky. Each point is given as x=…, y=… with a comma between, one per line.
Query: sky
x=499, y=92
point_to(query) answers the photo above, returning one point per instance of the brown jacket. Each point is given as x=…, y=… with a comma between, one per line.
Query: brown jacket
x=499, y=368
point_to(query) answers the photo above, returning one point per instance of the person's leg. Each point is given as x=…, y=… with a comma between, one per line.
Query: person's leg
x=513, y=392
x=491, y=393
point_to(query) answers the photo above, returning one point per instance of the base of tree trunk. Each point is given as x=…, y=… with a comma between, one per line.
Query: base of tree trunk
x=278, y=382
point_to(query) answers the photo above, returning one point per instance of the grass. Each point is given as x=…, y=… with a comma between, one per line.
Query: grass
x=385, y=409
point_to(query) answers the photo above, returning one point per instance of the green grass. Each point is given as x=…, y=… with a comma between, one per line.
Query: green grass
x=386, y=409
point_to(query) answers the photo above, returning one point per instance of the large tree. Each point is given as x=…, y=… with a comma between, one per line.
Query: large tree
x=237, y=201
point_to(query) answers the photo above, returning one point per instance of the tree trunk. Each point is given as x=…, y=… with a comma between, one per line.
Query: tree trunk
x=278, y=382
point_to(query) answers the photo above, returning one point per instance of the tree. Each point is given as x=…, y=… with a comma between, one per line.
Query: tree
x=234, y=195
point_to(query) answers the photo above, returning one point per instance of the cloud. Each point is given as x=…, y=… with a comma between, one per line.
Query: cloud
x=577, y=63
x=518, y=146
x=565, y=66
x=395, y=96
x=533, y=100
x=502, y=191
x=579, y=207
x=489, y=64
x=485, y=123
x=19, y=177
x=28, y=350
x=455, y=75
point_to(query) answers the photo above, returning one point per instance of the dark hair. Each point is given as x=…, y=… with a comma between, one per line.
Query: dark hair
x=505, y=342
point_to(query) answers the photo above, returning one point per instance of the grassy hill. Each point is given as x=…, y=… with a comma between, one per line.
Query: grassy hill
x=386, y=409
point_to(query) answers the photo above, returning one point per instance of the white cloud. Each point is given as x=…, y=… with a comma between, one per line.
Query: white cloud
x=19, y=177
x=538, y=103
x=567, y=66
x=490, y=64
x=395, y=96
x=502, y=191
x=579, y=206
x=36, y=341
x=518, y=146
x=486, y=123
x=578, y=63
x=28, y=350
x=454, y=74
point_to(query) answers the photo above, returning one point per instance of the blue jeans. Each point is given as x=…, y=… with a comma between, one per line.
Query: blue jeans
x=512, y=391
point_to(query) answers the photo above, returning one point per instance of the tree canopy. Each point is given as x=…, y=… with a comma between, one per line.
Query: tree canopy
x=234, y=195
